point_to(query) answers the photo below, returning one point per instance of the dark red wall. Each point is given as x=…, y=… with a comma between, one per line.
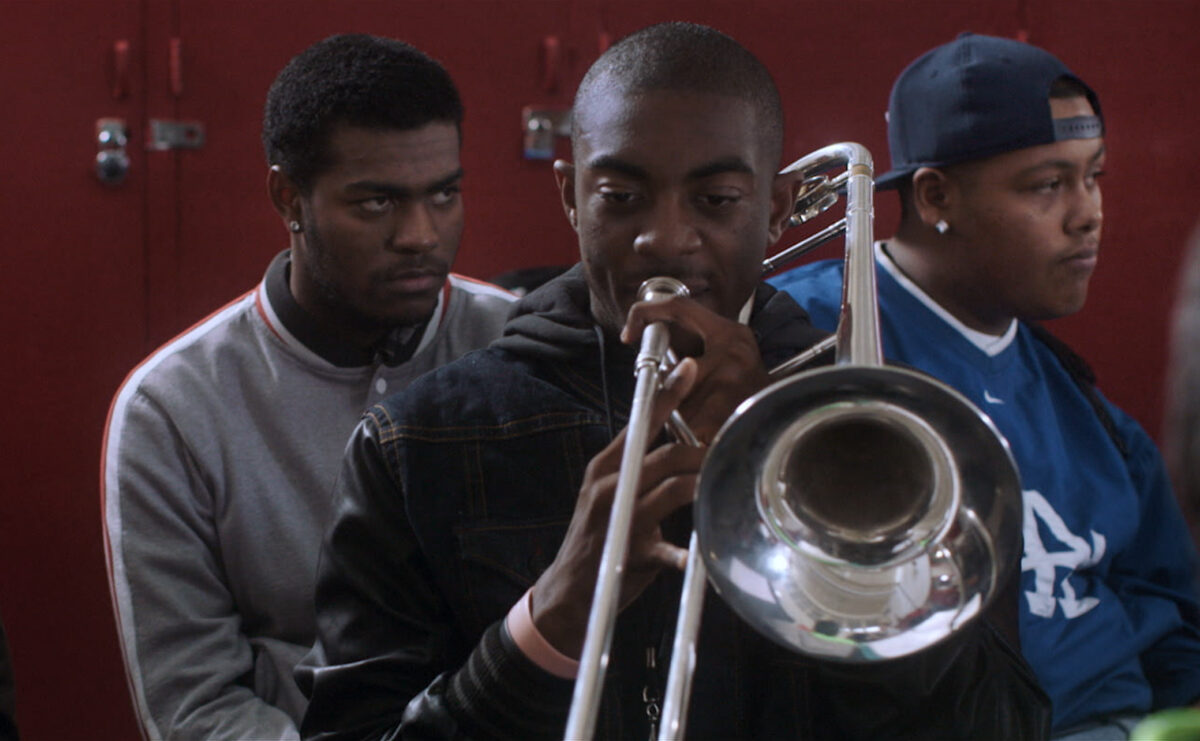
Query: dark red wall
x=94, y=277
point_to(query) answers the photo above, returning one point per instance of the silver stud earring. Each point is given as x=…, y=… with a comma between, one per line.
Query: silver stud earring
x=941, y=226
x=295, y=227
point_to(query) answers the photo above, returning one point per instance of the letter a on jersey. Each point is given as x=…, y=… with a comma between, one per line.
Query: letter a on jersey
x=1076, y=553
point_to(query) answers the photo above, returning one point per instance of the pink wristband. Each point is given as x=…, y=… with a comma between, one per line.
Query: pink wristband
x=535, y=647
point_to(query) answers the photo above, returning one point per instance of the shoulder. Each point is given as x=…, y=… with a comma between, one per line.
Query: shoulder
x=817, y=287
x=487, y=388
x=813, y=275
x=1127, y=434
x=475, y=314
x=480, y=299
x=480, y=292
x=177, y=387
x=190, y=354
x=1138, y=445
x=448, y=386
x=813, y=285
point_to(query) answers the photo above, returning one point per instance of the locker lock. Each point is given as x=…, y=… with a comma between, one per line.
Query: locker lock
x=112, y=162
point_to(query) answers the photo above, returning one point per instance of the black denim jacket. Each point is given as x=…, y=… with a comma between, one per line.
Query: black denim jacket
x=455, y=496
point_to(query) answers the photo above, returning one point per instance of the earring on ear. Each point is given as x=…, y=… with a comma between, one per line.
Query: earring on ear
x=941, y=226
x=295, y=227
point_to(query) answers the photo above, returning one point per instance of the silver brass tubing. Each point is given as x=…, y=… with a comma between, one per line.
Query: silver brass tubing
x=691, y=602
x=683, y=650
x=858, y=340
x=799, y=361
x=857, y=226
x=585, y=702
x=804, y=246
x=675, y=423
x=861, y=512
x=833, y=511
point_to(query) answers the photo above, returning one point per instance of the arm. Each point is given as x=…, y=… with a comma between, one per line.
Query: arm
x=389, y=662
x=186, y=659
x=723, y=368
x=1156, y=577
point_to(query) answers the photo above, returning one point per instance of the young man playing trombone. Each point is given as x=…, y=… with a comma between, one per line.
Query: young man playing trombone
x=456, y=582
x=996, y=148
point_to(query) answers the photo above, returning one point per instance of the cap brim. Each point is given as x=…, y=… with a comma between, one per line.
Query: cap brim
x=892, y=178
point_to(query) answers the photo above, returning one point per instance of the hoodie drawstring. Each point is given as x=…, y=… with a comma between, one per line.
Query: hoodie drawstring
x=612, y=432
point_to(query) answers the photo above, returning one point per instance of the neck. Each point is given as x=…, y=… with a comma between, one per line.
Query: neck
x=329, y=319
x=930, y=261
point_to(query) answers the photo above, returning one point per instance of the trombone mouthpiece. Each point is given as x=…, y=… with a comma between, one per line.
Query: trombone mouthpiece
x=655, y=336
x=661, y=287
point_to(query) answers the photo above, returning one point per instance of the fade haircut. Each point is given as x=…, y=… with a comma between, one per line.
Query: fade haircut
x=354, y=79
x=686, y=57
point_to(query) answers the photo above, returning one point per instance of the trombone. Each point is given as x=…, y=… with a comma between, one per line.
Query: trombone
x=854, y=513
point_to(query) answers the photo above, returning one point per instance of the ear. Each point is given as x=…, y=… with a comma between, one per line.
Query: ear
x=285, y=194
x=933, y=194
x=564, y=176
x=784, y=189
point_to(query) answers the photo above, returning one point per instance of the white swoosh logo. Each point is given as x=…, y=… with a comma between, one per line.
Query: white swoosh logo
x=991, y=399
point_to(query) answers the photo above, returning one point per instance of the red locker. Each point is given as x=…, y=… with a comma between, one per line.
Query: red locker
x=98, y=274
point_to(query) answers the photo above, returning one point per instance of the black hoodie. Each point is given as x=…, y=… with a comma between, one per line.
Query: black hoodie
x=456, y=496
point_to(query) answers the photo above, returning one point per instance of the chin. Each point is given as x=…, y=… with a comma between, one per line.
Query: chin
x=1075, y=302
x=1058, y=310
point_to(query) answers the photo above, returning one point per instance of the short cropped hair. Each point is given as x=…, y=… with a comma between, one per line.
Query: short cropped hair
x=354, y=79
x=686, y=57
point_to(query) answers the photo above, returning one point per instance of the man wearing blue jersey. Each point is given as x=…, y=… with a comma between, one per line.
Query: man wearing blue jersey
x=996, y=150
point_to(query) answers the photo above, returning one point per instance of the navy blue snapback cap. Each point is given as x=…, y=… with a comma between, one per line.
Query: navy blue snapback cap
x=975, y=97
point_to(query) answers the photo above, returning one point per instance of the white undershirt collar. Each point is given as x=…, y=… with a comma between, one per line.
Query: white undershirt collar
x=744, y=314
x=991, y=345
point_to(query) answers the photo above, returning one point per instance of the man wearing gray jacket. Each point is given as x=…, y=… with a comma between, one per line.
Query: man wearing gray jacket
x=222, y=446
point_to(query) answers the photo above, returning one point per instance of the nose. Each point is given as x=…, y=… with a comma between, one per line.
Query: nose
x=668, y=230
x=1086, y=214
x=414, y=229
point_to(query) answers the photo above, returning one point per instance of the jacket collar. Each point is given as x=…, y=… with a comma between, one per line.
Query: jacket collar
x=555, y=323
x=395, y=348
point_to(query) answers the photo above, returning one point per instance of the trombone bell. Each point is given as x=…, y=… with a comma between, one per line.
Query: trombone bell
x=885, y=509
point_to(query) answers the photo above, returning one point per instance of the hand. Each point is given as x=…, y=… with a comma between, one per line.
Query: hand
x=729, y=366
x=562, y=597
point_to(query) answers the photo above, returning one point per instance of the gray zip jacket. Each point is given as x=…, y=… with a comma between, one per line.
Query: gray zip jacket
x=219, y=457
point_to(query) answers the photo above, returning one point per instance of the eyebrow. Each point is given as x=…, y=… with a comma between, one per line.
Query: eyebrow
x=728, y=164
x=395, y=191
x=717, y=167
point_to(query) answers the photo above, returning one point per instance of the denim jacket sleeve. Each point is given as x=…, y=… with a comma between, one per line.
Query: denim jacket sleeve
x=385, y=637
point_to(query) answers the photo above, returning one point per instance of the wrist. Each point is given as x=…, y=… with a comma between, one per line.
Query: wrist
x=533, y=644
x=560, y=622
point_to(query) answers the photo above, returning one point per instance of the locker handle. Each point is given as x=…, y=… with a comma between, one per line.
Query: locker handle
x=175, y=60
x=120, y=87
x=551, y=62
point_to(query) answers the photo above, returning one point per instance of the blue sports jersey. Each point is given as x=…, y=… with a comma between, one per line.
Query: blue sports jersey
x=1109, y=616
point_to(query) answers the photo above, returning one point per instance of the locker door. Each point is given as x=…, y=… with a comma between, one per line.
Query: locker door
x=71, y=318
